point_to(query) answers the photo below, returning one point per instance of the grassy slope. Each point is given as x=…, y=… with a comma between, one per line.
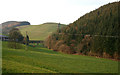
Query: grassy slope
x=39, y=32
x=43, y=60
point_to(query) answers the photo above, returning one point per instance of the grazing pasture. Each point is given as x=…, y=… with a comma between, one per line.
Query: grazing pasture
x=42, y=60
x=39, y=32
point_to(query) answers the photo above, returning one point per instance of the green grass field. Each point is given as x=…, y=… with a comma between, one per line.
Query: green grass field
x=39, y=32
x=42, y=60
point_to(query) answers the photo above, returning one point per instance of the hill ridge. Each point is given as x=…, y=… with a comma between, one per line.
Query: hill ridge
x=8, y=25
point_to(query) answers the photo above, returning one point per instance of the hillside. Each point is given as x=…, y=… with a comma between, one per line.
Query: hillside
x=39, y=32
x=95, y=34
x=7, y=26
x=42, y=60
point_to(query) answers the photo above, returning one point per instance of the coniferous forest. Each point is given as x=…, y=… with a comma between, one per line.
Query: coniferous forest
x=95, y=34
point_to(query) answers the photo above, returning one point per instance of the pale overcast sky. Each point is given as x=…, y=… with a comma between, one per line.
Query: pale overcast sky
x=41, y=11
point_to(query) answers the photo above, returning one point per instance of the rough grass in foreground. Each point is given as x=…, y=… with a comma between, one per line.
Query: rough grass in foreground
x=42, y=60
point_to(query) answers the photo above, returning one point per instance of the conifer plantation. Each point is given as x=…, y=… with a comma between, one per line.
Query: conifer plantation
x=95, y=34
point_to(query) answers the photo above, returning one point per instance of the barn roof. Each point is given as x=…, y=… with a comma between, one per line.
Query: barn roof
x=3, y=36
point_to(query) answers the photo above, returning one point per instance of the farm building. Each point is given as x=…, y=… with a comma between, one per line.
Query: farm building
x=4, y=38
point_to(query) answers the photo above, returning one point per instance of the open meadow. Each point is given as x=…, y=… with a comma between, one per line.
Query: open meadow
x=39, y=32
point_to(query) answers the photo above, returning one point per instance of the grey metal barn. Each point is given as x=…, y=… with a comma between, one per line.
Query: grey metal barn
x=4, y=38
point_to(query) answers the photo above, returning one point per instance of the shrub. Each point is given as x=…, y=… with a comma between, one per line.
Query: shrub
x=14, y=45
x=116, y=56
x=65, y=49
x=58, y=44
x=106, y=55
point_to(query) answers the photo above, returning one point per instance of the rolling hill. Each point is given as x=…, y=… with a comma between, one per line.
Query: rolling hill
x=7, y=26
x=40, y=32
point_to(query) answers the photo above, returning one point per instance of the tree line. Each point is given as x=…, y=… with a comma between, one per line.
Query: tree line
x=15, y=38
